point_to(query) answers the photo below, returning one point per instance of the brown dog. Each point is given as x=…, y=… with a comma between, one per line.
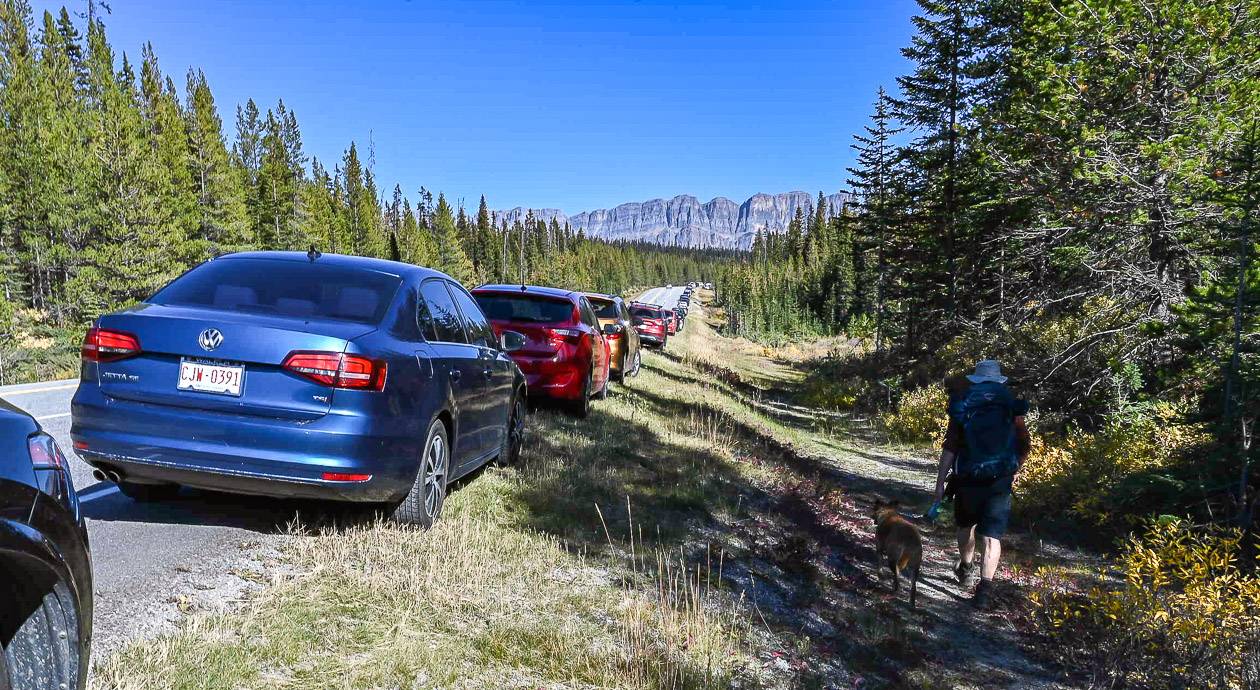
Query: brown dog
x=897, y=540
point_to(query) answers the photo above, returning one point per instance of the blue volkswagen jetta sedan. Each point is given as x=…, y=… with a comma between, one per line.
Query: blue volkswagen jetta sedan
x=45, y=566
x=300, y=375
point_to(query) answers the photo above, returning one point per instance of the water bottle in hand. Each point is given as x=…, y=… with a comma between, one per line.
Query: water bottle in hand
x=933, y=512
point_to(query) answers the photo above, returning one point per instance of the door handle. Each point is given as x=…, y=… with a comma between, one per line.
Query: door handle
x=456, y=374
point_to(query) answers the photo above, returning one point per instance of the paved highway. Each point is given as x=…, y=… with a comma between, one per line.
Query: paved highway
x=664, y=296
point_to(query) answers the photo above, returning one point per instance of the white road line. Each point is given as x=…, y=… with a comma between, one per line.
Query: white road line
x=93, y=495
x=45, y=389
x=52, y=416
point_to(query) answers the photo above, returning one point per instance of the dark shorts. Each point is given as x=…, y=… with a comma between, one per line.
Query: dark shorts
x=986, y=507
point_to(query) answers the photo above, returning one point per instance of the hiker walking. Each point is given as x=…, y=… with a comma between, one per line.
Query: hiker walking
x=985, y=444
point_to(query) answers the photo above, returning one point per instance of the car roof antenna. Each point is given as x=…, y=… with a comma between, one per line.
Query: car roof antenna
x=313, y=253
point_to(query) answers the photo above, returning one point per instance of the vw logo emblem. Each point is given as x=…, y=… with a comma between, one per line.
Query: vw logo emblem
x=210, y=339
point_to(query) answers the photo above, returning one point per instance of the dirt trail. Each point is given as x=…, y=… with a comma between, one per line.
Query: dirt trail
x=803, y=552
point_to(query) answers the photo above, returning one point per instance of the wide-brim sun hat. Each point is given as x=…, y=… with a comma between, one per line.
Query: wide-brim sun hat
x=987, y=371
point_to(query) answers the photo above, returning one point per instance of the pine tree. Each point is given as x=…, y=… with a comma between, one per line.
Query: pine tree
x=877, y=220
x=276, y=190
x=168, y=137
x=935, y=101
x=20, y=195
x=451, y=258
x=247, y=151
x=219, y=186
x=135, y=246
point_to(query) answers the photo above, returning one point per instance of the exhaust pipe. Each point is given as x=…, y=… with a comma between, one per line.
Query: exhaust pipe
x=107, y=475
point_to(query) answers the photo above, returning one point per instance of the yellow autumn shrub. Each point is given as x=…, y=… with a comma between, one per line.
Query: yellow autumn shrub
x=1187, y=613
x=1084, y=471
x=919, y=419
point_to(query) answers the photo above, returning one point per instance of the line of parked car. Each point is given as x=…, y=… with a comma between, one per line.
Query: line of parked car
x=294, y=375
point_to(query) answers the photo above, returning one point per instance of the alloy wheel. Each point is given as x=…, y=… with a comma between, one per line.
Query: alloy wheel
x=436, y=462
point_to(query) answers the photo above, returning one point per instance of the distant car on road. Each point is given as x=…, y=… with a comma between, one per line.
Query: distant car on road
x=565, y=356
x=649, y=321
x=45, y=567
x=671, y=321
x=623, y=340
x=300, y=375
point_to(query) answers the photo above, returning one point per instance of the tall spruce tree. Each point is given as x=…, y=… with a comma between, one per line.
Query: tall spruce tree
x=876, y=224
x=218, y=184
x=451, y=258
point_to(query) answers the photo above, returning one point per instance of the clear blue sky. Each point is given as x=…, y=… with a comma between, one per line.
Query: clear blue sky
x=573, y=105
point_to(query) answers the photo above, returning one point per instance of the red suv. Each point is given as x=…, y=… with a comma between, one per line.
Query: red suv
x=565, y=356
x=649, y=322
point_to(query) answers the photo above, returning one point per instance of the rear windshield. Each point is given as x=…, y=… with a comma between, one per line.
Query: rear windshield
x=525, y=308
x=645, y=313
x=604, y=309
x=284, y=288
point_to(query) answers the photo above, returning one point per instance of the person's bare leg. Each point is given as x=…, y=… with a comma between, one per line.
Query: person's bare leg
x=992, y=554
x=967, y=544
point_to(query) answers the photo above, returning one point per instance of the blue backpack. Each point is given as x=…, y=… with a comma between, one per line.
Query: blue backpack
x=987, y=417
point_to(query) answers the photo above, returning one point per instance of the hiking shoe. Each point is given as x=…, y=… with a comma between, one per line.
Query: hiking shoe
x=964, y=572
x=982, y=600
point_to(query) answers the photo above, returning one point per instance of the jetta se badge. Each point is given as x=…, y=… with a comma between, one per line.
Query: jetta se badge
x=210, y=339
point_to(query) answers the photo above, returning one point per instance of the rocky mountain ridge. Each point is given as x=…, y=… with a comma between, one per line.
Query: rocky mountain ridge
x=685, y=221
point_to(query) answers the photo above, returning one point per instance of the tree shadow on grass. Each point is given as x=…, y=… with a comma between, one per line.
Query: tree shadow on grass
x=784, y=555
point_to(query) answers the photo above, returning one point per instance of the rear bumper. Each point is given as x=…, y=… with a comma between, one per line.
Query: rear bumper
x=547, y=378
x=243, y=454
x=651, y=339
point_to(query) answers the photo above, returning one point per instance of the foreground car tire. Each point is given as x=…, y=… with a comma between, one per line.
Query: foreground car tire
x=634, y=365
x=423, y=504
x=42, y=649
x=148, y=493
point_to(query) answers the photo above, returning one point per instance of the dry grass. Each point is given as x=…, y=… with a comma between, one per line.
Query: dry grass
x=471, y=603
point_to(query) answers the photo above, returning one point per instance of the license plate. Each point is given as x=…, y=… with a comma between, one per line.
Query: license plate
x=211, y=378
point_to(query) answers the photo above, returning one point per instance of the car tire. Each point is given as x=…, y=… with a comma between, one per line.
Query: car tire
x=619, y=375
x=636, y=365
x=581, y=408
x=603, y=391
x=515, y=436
x=44, y=648
x=423, y=504
x=148, y=493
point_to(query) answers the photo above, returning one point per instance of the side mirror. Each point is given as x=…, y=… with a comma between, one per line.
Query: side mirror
x=511, y=341
x=612, y=329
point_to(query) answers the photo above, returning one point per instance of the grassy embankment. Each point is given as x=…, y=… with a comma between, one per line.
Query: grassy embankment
x=696, y=532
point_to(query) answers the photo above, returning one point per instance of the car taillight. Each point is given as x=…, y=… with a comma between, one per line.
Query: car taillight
x=45, y=455
x=561, y=336
x=338, y=370
x=106, y=345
